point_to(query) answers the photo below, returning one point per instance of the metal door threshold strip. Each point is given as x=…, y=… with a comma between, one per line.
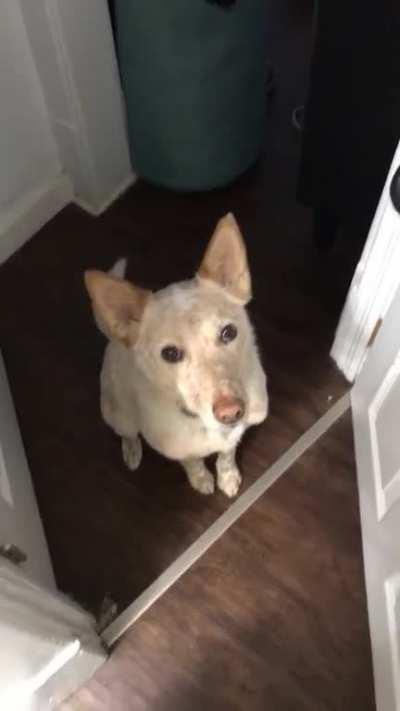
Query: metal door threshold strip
x=185, y=561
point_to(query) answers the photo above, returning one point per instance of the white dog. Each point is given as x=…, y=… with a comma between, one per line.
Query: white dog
x=182, y=368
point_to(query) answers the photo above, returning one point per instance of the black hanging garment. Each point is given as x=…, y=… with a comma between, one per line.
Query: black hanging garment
x=352, y=123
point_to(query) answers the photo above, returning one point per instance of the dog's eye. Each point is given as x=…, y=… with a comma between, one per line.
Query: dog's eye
x=228, y=333
x=172, y=354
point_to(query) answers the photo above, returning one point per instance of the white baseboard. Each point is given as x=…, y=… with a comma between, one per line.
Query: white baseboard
x=96, y=210
x=31, y=212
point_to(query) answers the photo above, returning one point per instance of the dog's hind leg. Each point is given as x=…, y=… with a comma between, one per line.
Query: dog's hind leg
x=228, y=475
x=198, y=475
x=132, y=452
x=121, y=419
x=126, y=428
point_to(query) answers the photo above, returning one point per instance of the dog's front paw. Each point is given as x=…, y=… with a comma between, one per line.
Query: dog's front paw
x=203, y=482
x=132, y=452
x=199, y=476
x=229, y=482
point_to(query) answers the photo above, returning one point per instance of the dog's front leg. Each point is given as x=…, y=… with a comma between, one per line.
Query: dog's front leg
x=198, y=475
x=228, y=475
x=132, y=452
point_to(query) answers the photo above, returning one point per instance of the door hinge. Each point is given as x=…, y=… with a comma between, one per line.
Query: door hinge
x=374, y=333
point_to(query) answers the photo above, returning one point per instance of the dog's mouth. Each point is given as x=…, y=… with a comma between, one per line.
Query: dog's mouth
x=185, y=411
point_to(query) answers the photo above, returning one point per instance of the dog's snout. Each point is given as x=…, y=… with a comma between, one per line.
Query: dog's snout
x=228, y=409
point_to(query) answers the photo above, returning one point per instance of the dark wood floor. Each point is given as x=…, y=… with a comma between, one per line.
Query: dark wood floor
x=113, y=532
x=272, y=618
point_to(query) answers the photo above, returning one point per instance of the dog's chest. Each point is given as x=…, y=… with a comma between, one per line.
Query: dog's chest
x=191, y=439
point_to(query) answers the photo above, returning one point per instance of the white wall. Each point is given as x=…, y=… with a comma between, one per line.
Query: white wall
x=29, y=159
x=27, y=148
x=83, y=94
x=62, y=124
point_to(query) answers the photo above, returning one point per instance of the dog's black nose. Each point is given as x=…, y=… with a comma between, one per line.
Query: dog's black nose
x=228, y=410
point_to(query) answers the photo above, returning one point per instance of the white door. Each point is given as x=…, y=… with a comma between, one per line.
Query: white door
x=374, y=283
x=48, y=644
x=376, y=417
x=21, y=530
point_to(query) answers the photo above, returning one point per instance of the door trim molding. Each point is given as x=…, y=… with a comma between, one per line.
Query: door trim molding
x=77, y=66
x=386, y=495
x=373, y=287
x=392, y=594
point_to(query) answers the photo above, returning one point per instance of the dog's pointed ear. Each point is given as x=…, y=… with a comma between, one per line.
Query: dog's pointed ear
x=118, y=306
x=225, y=261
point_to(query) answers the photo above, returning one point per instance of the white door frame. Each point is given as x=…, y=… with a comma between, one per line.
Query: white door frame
x=73, y=49
x=373, y=287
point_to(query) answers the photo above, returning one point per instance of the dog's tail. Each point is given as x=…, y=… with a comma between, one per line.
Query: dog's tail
x=119, y=268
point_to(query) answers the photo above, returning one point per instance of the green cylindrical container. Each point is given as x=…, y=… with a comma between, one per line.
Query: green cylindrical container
x=194, y=77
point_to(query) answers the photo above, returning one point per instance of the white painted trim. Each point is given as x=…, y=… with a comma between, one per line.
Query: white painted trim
x=373, y=287
x=37, y=617
x=118, y=192
x=392, y=595
x=28, y=214
x=185, y=561
x=380, y=534
x=386, y=495
x=73, y=49
x=20, y=696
